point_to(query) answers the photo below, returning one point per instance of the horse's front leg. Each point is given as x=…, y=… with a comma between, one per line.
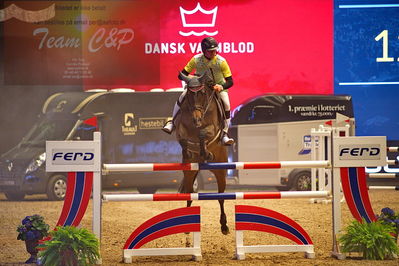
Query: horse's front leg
x=184, y=147
x=221, y=181
x=223, y=219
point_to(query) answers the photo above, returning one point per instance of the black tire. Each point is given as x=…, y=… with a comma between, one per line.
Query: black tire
x=147, y=190
x=15, y=195
x=56, y=187
x=302, y=181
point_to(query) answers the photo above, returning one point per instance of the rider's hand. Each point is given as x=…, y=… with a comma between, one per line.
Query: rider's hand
x=218, y=87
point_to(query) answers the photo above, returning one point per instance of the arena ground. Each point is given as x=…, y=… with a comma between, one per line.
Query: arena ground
x=121, y=218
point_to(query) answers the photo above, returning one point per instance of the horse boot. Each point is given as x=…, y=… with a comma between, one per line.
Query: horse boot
x=226, y=140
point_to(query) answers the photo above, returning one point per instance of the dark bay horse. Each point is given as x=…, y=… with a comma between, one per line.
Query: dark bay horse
x=198, y=130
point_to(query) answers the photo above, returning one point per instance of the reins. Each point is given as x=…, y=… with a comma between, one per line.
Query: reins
x=209, y=99
x=208, y=104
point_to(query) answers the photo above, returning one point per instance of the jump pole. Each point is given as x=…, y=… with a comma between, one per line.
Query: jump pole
x=140, y=167
x=214, y=196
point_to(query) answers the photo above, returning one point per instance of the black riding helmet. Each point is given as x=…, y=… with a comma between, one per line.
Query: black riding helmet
x=209, y=44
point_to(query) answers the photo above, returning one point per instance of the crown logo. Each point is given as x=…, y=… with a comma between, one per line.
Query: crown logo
x=198, y=17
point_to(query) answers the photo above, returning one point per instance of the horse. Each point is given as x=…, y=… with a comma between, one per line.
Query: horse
x=198, y=130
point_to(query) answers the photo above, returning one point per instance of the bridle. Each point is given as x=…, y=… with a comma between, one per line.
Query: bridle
x=195, y=107
x=191, y=96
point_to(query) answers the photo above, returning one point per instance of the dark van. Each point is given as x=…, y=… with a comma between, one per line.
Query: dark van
x=130, y=124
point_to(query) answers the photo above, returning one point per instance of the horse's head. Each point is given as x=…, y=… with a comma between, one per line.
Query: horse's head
x=198, y=95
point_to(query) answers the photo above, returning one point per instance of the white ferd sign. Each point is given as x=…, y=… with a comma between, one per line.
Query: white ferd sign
x=73, y=156
x=360, y=151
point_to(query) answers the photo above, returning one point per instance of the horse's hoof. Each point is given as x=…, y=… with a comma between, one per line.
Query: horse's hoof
x=225, y=230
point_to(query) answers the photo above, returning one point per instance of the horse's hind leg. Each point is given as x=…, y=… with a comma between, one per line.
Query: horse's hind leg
x=188, y=181
x=221, y=180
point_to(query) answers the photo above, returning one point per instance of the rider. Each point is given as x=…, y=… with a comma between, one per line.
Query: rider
x=209, y=61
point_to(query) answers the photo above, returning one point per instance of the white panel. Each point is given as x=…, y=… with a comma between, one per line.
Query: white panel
x=258, y=143
x=73, y=156
x=359, y=151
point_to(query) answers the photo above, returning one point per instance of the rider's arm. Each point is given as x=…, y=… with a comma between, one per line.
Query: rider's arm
x=188, y=68
x=191, y=65
x=224, y=67
x=229, y=83
x=184, y=72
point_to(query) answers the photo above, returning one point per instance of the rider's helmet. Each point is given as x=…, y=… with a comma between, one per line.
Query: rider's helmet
x=209, y=44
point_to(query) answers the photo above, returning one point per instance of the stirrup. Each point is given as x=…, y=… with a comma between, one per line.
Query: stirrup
x=168, y=127
x=226, y=140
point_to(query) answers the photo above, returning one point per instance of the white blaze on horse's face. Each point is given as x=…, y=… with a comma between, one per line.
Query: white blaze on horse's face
x=197, y=117
x=197, y=93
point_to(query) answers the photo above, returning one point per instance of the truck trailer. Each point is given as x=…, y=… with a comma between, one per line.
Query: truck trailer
x=277, y=128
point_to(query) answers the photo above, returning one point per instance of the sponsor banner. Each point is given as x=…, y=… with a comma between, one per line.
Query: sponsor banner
x=131, y=124
x=142, y=44
x=73, y=156
x=153, y=122
x=77, y=156
x=359, y=151
x=90, y=43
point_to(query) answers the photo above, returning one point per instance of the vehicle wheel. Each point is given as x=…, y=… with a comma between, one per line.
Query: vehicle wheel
x=302, y=181
x=15, y=195
x=56, y=187
x=147, y=190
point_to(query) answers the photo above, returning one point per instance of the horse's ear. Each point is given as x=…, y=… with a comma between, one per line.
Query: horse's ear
x=184, y=77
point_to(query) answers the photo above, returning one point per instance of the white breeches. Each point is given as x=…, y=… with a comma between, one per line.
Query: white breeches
x=226, y=101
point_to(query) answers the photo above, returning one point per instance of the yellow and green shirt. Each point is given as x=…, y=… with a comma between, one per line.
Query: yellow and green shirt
x=201, y=65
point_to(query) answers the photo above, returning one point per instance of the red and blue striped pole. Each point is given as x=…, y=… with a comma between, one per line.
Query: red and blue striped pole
x=215, y=196
x=139, y=167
